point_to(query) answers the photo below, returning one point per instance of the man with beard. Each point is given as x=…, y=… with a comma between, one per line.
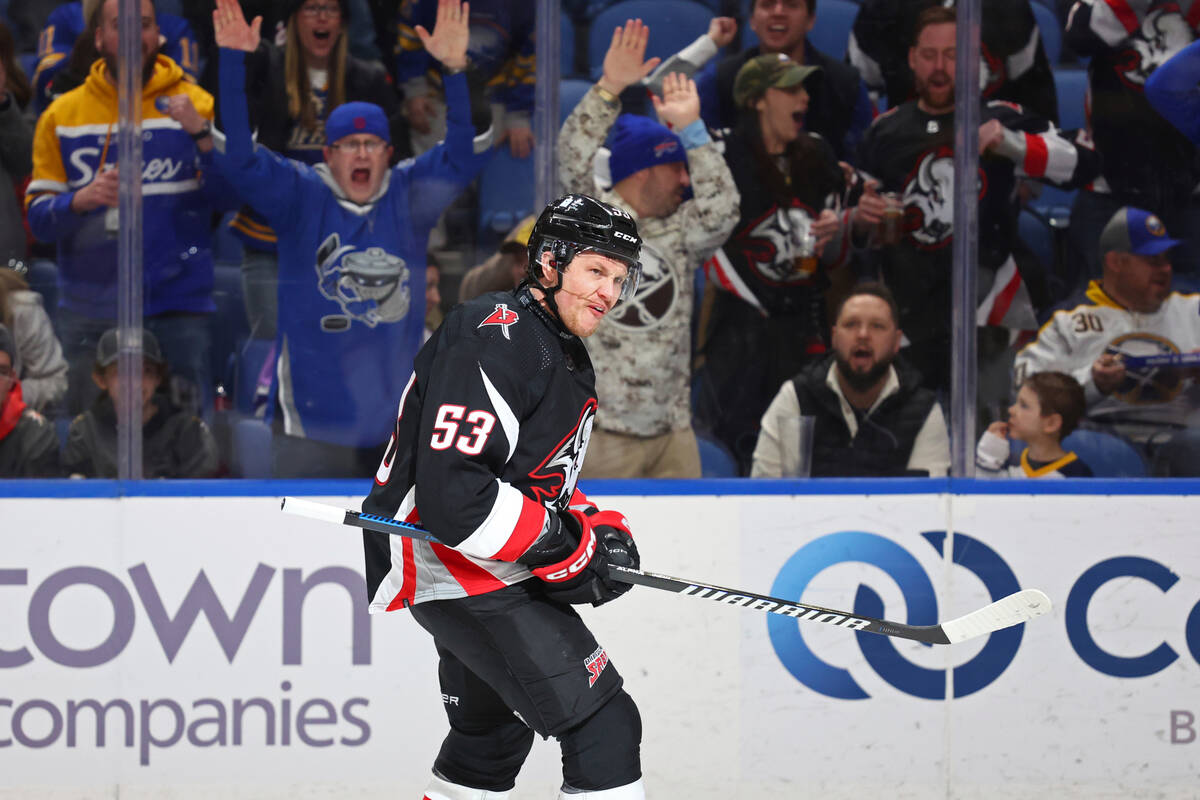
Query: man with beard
x=1012, y=62
x=643, y=356
x=352, y=241
x=872, y=417
x=910, y=151
x=72, y=201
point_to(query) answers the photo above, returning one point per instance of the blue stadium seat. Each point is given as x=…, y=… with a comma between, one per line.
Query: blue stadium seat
x=1071, y=86
x=715, y=459
x=1051, y=31
x=1106, y=454
x=1038, y=236
x=674, y=24
x=831, y=32
x=251, y=449
x=570, y=92
x=1109, y=456
x=566, y=44
x=505, y=192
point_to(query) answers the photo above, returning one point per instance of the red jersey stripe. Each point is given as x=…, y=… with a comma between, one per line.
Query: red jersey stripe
x=1036, y=156
x=472, y=577
x=525, y=532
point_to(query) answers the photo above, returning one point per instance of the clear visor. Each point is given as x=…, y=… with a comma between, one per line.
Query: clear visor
x=629, y=282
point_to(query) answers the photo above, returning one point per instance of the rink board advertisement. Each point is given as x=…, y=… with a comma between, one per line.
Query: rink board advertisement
x=195, y=647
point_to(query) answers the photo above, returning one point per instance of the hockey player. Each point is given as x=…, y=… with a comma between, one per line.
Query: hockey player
x=352, y=241
x=489, y=438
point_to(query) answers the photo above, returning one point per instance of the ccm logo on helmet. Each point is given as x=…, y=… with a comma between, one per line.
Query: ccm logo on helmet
x=625, y=236
x=578, y=564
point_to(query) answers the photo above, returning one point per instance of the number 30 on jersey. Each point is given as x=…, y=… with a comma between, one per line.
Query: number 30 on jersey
x=476, y=426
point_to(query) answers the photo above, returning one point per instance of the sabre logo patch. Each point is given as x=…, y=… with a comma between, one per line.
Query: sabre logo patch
x=502, y=316
x=595, y=664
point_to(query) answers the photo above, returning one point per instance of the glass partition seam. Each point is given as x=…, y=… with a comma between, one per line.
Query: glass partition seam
x=966, y=239
x=129, y=239
x=545, y=109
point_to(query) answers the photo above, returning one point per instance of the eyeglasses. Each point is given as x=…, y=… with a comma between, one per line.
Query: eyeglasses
x=323, y=11
x=372, y=146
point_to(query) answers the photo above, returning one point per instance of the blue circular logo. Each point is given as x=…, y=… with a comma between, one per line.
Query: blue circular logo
x=879, y=651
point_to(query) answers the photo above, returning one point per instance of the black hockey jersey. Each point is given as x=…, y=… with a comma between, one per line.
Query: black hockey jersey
x=1148, y=163
x=912, y=153
x=489, y=438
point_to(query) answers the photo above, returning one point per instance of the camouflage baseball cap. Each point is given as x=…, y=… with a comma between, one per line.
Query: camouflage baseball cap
x=774, y=70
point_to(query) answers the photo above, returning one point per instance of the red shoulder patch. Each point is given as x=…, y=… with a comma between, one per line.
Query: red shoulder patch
x=503, y=316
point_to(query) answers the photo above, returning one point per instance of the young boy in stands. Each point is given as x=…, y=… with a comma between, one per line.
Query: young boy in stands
x=175, y=443
x=1048, y=407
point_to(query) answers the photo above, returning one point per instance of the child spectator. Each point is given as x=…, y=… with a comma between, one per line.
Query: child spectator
x=175, y=443
x=28, y=446
x=1048, y=407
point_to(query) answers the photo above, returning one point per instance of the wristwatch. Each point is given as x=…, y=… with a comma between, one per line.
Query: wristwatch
x=203, y=132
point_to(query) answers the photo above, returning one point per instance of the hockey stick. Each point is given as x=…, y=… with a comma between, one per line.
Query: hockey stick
x=1016, y=608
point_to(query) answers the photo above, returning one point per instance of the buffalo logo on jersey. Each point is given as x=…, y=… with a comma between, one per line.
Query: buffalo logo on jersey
x=595, y=664
x=929, y=199
x=553, y=480
x=503, y=316
x=371, y=286
x=1163, y=33
x=774, y=242
x=657, y=294
x=1149, y=384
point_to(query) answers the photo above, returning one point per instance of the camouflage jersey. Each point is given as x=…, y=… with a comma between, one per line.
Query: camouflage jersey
x=642, y=352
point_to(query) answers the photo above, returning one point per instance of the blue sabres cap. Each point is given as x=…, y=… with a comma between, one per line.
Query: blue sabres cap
x=1132, y=230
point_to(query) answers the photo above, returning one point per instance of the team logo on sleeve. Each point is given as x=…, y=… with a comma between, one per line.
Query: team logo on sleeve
x=1163, y=33
x=503, y=316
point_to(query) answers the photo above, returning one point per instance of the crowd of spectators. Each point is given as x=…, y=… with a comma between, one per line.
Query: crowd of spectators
x=316, y=159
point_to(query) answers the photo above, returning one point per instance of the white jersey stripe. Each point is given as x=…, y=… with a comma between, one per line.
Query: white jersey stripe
x=493, y=534
x=508, y=420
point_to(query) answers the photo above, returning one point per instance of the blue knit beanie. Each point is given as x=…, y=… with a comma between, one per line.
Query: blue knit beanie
x=356, y=117
x=639, y=142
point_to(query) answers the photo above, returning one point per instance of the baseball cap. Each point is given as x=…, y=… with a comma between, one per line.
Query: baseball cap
x=1132, y=230
x=356, y=117
x=106, y=351
x=770, y=71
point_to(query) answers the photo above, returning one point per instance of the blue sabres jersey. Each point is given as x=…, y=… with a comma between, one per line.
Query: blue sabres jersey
x=351, y=277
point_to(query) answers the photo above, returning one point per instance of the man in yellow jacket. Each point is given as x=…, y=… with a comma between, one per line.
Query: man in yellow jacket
x=72, y=201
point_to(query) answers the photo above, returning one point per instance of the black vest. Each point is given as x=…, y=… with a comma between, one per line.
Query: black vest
x=885, y=437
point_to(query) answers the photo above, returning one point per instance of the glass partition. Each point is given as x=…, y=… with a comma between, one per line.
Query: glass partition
x=822, y=294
